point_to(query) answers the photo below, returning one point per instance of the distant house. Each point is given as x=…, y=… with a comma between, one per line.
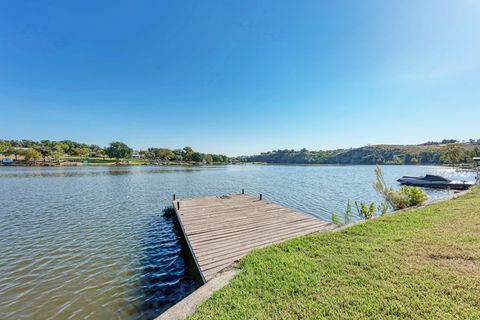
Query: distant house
x=7, y=161
x=94, y=154
x=136, y=155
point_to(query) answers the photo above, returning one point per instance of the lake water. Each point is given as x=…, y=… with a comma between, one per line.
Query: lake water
x=91, y=242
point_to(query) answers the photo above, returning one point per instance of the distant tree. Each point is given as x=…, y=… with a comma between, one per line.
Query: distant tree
x=397, y=160
x=452, y=153
x=119, y=150
x=217, y=158
x=475, y=152
x=81, y=151
x=3, y=146
x=32, y=155
x=20, y=152
x=56, y=156
x=9, y=150
x=45, y=151
x=197, y=157
x=208, y=158
x=166, y=154
x=61, y=147
x=187, y=154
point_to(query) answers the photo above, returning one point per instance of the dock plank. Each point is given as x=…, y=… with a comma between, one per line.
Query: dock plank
x=221, y=230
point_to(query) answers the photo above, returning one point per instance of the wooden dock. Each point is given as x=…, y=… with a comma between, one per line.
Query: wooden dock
x=219, y=230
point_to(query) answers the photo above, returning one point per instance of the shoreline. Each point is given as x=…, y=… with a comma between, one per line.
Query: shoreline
x=136, y=163
x=189, y=305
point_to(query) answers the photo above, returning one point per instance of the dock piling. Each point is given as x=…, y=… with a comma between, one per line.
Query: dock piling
x=178, y=205
x=261, y=196
x=243, y=191
x=174, y=197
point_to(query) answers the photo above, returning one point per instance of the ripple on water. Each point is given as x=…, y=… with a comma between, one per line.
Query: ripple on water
x=91, y=242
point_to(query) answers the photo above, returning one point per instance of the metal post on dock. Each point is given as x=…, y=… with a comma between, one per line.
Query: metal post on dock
x=178, y=205
x=174, y=197
x=261, y=196
x=243, y=191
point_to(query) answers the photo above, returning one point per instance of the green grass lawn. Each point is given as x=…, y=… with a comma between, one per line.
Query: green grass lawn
x=421, y=264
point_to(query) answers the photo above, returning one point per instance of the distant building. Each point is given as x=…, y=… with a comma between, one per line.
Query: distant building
x=136, y=155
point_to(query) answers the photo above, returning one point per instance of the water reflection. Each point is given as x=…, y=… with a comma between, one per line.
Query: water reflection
x=43, y=172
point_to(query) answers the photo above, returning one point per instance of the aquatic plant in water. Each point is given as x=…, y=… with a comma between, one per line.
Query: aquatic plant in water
x=168, y=211
x=348, y=212
x=336, y=219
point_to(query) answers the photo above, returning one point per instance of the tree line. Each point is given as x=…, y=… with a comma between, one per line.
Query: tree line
x=55, y=150
x=452, y=153
x=185, y=154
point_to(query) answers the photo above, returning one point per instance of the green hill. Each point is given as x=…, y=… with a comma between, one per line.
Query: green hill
x=375, y=154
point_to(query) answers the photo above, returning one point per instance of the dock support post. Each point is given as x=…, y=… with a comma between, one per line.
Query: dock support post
x=261, y=196
x=174, y=197
x=243, y=191
x=178, y=205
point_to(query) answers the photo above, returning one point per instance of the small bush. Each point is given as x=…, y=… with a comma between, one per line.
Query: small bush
x=364, y=211
x=398, y=199
x=415, y=195
x=383, y=208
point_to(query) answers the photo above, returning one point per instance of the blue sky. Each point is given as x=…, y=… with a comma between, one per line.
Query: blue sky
x=240, y=77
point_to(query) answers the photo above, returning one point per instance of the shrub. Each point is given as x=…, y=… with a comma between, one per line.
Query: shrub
x=383, y=208
x=415, y=195
x=364, y=211
x=395, y=199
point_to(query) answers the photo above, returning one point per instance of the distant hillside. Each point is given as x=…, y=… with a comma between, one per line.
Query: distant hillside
x=376, y=154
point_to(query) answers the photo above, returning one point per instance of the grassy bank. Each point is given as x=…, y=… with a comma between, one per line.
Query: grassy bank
x=420, y=264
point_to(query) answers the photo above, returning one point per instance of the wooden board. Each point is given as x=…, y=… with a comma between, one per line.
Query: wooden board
x=221, y=230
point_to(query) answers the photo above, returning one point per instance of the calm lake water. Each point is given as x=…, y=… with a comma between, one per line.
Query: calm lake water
x=91, y=242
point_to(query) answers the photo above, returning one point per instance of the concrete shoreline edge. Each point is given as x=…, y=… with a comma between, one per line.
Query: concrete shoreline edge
x=189, y=304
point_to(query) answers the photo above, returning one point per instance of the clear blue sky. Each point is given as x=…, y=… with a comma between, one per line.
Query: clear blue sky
x=240, y=77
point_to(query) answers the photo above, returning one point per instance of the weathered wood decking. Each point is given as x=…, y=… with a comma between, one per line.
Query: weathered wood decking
x=220, y=230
